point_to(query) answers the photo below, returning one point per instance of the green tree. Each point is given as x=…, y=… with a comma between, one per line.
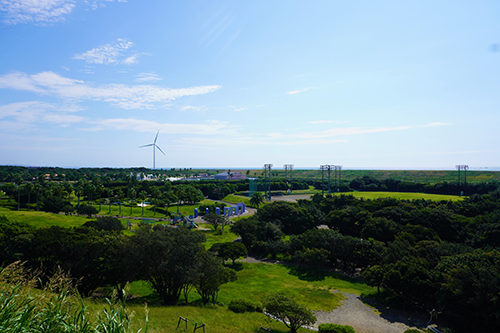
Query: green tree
x=156, y=196
x=86, y=210
x=19, y=181
x=292, y=314
x=29, y=188
x=214, y=220
x=229, y=250
x=132, y=194
x=166, y=257
x=210, y=275
x=79, y=189
x=120, y=196
x=256, y=199
x=142, y=197
x=53, y=204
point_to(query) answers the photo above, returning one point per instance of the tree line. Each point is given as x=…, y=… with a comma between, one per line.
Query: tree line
x=433, y=255
x=97, y=254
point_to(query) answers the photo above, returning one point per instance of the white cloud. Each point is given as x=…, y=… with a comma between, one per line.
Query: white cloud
x=193, y=108
x=293, y=92
x=143, y=77
x=121, y=95
x=28, y=114
x=316, y=122
x=237, y=109
x=99, y=3
x=311, y=142
x=348, y=131
x=321, y=122
x=436, y=124
x=109, y=54
x=213, y=127
x=35, y=11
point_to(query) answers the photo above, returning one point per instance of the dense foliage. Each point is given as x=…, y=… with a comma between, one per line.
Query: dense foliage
x=98, y=255
x=291, y=313
x=441, y=255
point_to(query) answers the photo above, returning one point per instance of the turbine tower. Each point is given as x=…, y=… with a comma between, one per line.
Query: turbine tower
x=154, y=145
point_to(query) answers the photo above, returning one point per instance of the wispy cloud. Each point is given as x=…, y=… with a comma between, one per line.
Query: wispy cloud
x=28, y=114
x=144, y=77
x=35, y=11
x=213, y=127
x=237, y=109
x=121, y=95
x=193, y=108
x=346, y=131
x=321, y=122
x=436, y=124
x=99, y=3
x=298, y=91
x=316, y=122
x=109, y=54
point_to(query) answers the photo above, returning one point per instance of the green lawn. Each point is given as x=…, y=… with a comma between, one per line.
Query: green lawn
x=317, y=289
x=405, y=196
x=39, y=219
x=216, y=236
x=234, y=199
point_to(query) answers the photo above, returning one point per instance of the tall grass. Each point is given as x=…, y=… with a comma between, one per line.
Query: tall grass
x=53, y=308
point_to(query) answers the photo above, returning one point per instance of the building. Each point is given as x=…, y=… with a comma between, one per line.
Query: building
x=230, y=176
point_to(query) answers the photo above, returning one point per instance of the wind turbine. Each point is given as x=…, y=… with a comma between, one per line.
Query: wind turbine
x=154, y=148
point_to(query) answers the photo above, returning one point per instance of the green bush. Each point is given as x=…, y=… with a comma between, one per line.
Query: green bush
x=412, y=330
x=243, y=305
x=335, y=328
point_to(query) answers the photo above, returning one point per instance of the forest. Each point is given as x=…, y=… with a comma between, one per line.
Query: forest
x=421, y=254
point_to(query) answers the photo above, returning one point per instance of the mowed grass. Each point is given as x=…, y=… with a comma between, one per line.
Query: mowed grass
x=218, y=319
x=218, y=236
x=404, y=196
x=39, y=219
x=234, y=199
x=316, y=289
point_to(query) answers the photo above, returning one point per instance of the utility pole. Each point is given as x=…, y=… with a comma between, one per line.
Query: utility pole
x=464, y=168
x=268, y=167
x=338, y=169
x=288, y=167
x=324, y=167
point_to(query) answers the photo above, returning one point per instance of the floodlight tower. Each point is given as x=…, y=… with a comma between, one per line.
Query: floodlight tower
x=338, y=169
x=268, y=167
x=464, y=168
x=324, y=167
x=288, y=167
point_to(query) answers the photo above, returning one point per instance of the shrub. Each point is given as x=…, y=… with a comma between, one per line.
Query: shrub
x=243, y=305
x=412, y=330
x=54, y=204
x=335, y=328
x=107, y=223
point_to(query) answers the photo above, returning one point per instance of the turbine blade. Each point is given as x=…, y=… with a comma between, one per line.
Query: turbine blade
x=157, y=135
x=151, y=144
x=160, y=150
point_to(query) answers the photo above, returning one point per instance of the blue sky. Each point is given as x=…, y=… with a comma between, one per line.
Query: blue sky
x=363, y=84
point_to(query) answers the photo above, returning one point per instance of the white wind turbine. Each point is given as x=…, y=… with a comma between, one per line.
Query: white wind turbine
x=154, y=148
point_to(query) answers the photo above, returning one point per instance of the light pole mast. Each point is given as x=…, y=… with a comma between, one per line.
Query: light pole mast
x=268, y=167
x=464, y=168
x=288, y=167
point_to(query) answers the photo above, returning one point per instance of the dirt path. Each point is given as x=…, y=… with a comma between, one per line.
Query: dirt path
x=363, y=318
x=366, y=319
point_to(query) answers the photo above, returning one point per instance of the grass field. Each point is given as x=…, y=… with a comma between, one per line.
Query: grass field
x=314, y=288
x=405, y=196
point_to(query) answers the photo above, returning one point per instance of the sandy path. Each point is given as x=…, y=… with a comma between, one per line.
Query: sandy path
x=365, y=319
x=355, y=313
